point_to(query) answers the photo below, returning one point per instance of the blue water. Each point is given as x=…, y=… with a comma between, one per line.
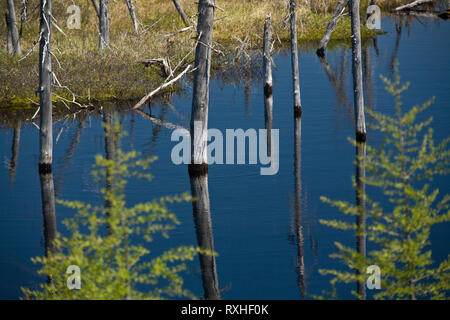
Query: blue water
x=253, y=216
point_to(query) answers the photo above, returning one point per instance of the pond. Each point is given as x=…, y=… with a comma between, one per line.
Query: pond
x=265, y=228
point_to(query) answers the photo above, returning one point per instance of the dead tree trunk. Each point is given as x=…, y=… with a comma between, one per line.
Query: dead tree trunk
x=205, y=239
x=9, y=46
x=268, y=97
x=45, y=89
x=330, y=27
x=361, y=217
x=12, y=27
x=294, y=60
x=23, y=16
x=200, y=99
x=104, y=24
x=181, y=12
x=130, y=6
x=358, y=97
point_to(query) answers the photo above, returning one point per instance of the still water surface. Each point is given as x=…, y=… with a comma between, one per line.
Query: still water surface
x=256, y=220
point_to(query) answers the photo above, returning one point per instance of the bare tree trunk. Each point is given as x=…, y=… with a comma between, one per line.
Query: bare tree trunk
x=9, y=45
x=45, y=89
x=294, y=59
x=330, y=27
x=130, y=6
x=104, y=24
x=358, y=96
x=200, y=99
x=267, y=66
x=361, y=205
x=205, y=238
x=181, y=12
x=12, y=27
x=23, y=16
x=268, y=97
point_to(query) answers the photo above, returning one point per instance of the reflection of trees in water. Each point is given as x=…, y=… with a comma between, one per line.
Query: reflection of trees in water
x=204, y=232
x=15, y=151
x=361, y=204
x=338, y=85
x=48, y=213
x=298, y=206
x=111, y=146
x=65, y=163
x=398, y=30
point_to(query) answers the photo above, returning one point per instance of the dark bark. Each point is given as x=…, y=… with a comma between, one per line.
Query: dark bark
x=204, y=233
x=200, y=99
x=358, y=96
x=45, y=88
x=12, y=27
x=340, y=7
x=104, y=24
x=181, y=12
x=294, y=59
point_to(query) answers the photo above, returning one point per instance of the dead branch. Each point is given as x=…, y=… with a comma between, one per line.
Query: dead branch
x=412, y=4
x=163, y=86
x=178, y=31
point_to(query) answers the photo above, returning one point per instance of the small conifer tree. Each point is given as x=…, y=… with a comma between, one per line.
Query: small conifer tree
x=398, y=227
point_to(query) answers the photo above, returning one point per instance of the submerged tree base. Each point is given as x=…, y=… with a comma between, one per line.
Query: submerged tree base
x=197, y=170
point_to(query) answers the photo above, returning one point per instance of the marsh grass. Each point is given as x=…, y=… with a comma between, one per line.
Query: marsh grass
x=117, y=73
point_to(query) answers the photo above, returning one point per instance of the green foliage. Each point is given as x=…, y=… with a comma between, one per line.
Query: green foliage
x=402, y=169
x=106, y=241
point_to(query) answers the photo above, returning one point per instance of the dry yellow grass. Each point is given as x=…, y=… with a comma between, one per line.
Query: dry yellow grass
x=117, y=73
